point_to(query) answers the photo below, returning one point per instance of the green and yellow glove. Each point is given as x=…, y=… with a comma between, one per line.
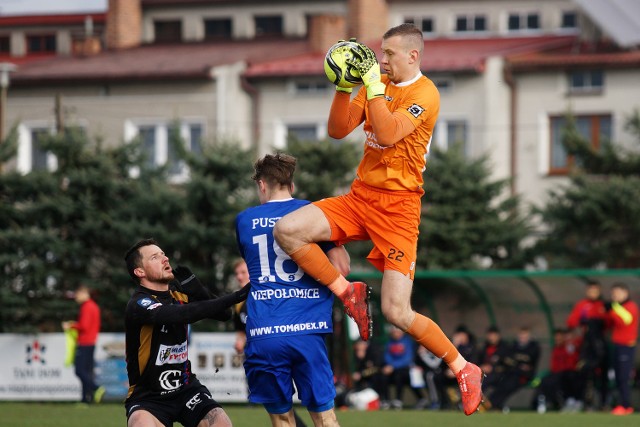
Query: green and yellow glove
x=345, y=89
x=364, y=60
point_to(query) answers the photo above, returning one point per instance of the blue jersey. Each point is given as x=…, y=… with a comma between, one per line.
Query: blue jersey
x=284, y=300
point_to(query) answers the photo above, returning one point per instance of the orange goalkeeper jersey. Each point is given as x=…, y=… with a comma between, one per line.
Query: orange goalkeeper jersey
x=400, y=167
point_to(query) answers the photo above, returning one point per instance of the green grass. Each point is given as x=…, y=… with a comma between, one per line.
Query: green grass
x=111, y=414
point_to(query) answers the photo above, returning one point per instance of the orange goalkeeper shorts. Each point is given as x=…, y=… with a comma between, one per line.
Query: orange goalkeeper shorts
x=390, y=219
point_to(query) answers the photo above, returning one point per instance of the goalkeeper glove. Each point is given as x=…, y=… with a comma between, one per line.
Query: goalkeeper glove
x=364, y=60
x=184, y=275
x=345, y=89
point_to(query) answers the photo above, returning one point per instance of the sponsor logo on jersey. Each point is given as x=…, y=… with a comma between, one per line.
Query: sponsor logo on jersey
x=310, y=293
x=145, y=302
x=197, y=398
x=283, y=329
x=170, y=380
x=168, y=354
x=415, y=110
x=372, y=141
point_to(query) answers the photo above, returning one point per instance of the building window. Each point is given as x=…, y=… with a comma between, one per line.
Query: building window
x=444, y=84
x=217, y=29
x=167, y=31
x=597, y=129
x=471, y=23
x=569, y=20
x=311, y=87
x=526, y=21
x=586, y=81
x=303, y=132
x=426, y=24
x=41, y=43
x=451, y=133
x=268, y=26
x=5, y=44
x=31, y=155
x=155, y=140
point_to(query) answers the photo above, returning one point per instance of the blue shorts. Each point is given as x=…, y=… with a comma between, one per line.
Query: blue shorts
x=273, y=365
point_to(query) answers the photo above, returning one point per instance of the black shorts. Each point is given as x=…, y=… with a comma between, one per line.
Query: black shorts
x=188, y=406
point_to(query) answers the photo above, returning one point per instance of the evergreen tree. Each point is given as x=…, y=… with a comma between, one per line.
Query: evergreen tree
x=594, y=219
x=467, y=221
x=70, y=226
x=325, y=168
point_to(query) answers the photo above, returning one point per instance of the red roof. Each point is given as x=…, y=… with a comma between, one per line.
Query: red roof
x=180, y=61
x=451, y=55
x=54, y=20
x=575, y=58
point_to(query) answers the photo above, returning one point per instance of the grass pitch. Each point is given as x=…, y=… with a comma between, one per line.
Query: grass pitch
x=13, y=414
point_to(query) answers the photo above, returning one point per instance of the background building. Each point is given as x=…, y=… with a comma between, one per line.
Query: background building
x=251, y=72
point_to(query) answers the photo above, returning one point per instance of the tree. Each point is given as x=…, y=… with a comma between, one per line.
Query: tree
x=324, y=167
x=467, y=221
x=593, y=220
x=73, y=225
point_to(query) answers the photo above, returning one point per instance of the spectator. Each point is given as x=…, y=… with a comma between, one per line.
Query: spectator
x=587, y=318
x=622, y=315
x=87, y=327
x=432, y=367
x=399, y=355
x=241, y=274
x=519, y=369
x=445, y=380
x=492, y=356
x=562, y=383
x=368, y=362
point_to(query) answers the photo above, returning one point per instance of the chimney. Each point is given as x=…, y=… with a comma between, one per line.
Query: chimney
x=124, y=24
x=368, y=19
x=325, y=31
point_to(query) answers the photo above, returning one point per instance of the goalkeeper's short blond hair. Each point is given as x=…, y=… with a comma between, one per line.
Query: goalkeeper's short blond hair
x=411, y=35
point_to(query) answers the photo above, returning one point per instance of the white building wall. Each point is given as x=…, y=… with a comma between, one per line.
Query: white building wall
x=541, y=95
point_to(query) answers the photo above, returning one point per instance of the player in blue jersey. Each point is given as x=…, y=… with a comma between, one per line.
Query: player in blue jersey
x=288, y=312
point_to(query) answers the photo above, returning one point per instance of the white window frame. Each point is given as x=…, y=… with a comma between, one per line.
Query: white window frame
x=281, y=130
x=25, y=146
x=416, y=20
x=440, y=135
x=471, y=25
x=161, y=146
x=524, y=19
x=317, y=87
x=588, y=88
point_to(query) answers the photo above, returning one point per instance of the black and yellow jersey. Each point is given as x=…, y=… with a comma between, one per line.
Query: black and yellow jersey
x=156, y=325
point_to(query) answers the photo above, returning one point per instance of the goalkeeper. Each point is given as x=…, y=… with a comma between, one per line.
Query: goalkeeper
x=399, y=112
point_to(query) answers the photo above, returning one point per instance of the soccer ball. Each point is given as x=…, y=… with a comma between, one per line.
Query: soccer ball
x=337, y=70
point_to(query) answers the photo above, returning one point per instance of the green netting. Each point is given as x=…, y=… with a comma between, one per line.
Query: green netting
x=508, y=299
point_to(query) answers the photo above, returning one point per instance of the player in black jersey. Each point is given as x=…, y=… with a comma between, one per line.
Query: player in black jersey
x=162, y=388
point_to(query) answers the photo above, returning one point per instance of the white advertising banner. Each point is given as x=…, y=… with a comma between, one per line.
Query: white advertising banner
x=34, y=368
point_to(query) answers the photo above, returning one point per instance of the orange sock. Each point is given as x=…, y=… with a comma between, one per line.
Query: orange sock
x=315, y=263
x=428, y=334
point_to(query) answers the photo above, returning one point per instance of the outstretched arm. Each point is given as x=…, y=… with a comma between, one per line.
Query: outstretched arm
x=158, y=313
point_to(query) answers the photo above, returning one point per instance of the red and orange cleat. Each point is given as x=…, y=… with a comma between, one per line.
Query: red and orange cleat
x=470, y=383
x=356, y=305
x=621, y=410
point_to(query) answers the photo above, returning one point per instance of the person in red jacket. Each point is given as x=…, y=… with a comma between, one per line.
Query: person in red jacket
x=622, y=316
x=588, y=320
x=88, y=327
